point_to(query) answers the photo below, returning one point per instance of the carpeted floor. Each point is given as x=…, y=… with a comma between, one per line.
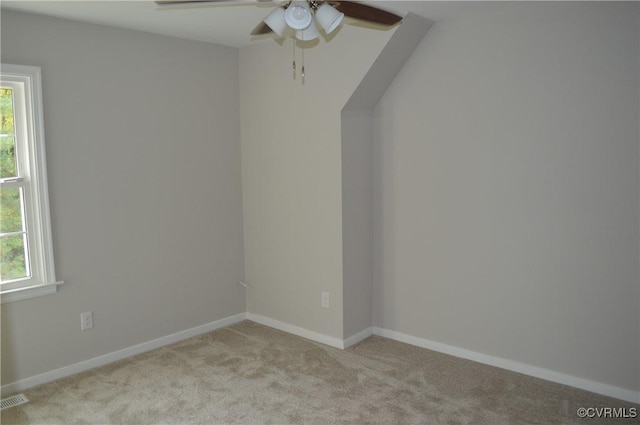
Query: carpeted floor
x=251, y=374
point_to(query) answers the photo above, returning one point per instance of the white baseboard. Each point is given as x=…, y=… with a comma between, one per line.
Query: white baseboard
x=119, y=355
x=295, y=330
x=313, y=336
x=536, y=372
x=354, y=339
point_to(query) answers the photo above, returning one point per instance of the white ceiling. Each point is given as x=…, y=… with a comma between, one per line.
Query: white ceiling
x=228, y=24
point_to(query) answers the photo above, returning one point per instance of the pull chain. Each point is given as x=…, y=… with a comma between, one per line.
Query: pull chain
x=294, y=58
x=302, y=73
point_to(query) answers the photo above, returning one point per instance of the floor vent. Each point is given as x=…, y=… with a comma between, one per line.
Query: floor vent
x=15, y=400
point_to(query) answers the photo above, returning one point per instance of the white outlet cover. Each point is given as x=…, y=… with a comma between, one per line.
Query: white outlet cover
x=324, y=301
x=86, y=320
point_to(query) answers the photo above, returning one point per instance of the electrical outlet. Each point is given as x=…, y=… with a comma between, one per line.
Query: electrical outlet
x=86, y=320
x=324, y=300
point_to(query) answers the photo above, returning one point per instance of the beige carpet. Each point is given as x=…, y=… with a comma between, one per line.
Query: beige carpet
x=252, y=374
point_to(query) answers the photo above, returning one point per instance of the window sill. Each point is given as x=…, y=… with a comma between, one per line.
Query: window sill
x=20, y=294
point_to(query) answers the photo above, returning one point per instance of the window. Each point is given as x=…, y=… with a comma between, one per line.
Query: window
x=26, y=252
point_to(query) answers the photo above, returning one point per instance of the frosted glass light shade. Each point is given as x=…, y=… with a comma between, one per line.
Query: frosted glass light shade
x=328, y=18
x=298, y=15
x=275, y=20
x=309, y=33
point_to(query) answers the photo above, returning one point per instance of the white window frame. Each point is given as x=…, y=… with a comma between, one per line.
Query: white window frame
x=26, y=83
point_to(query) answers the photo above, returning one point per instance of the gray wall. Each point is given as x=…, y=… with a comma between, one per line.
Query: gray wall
x=507, y=188
x=142, y=136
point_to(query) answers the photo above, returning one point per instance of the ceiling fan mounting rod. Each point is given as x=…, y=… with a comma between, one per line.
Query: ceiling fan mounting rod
x=313, y=4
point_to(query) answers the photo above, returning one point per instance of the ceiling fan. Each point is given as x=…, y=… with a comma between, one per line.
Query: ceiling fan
x=303, y=17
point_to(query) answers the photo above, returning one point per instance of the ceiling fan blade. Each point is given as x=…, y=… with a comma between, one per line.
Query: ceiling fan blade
x=174, y=2
x=363, y=12
x=261, y=28
x=166, y=2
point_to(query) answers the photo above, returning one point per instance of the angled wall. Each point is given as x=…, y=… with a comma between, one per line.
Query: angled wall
x=357, y=173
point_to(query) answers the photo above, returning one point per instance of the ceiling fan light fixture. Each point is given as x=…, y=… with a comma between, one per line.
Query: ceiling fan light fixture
x=275, y=20
x=309, y=33
x=328, y=17
x=298, y=15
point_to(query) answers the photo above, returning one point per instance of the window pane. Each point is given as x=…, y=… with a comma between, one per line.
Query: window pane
x=6, y=111
x=13, y=259
x=7, y=136
x=7, y=157
x=11, y=210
